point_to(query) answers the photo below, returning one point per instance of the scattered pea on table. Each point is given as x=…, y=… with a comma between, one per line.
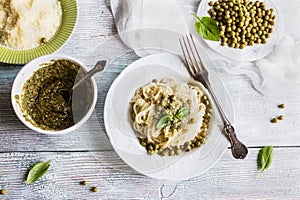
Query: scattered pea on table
x=3, y=192
x=84, y=182
x=274, y=120
x=280, y=117
x=94, y=189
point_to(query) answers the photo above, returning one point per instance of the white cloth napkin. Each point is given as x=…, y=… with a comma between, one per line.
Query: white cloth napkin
x=144, y=24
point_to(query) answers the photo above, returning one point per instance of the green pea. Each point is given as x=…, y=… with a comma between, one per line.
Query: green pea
x=143, y=143
x=94, y=189
x=251, y=43
x=242, y=46
x=198, y=144
x=177, y=151
x=171, y=153
x=271, y=30
x=203, y=133
x=188, y=148
x=258, y=41
x=280, y=117
x=2, y=191
x=259, y=32
x=84, y=182
x=150, y=147
x=202, y=140
x=274, y=120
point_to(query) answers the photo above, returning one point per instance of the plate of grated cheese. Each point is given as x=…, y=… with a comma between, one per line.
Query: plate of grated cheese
x=30, y=29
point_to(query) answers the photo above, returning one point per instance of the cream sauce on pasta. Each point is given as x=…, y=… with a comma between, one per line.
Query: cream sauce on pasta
x=157, y=99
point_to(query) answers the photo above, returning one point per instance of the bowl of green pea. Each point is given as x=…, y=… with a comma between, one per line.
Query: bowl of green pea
x=248, y=30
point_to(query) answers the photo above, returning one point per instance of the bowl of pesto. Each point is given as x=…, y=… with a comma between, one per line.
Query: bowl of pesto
x=39, y=102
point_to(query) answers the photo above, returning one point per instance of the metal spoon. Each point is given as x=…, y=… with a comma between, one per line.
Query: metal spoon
x=67, y=94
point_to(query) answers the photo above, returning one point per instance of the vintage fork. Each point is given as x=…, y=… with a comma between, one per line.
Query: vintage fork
x=199, y=73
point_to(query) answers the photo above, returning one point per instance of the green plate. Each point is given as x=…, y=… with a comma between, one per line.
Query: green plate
x=69, y=17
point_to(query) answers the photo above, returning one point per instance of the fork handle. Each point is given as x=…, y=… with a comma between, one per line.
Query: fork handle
x=238, y=149
x=222, y=114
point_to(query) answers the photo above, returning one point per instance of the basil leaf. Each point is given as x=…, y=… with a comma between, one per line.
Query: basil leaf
x=164, y=121
x=183, y=112
x=37, y=171
x=265, y=157
x=207, y=27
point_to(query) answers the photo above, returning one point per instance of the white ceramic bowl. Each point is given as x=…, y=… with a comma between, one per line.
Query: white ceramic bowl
x=26, y=72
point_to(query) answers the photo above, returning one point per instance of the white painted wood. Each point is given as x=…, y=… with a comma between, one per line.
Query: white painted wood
x=228, y=179
x=95, y=38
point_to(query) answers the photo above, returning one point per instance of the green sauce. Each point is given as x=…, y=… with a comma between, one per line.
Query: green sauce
x=42, y=101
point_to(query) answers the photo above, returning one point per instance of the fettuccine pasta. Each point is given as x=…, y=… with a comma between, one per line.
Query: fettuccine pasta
x=167, y=113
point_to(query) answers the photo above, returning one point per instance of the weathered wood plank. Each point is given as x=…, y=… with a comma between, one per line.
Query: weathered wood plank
x=253, y=113
x=228, y=179
x=94, y=38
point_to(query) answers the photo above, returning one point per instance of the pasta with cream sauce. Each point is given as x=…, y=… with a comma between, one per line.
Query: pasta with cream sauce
x=165, y=99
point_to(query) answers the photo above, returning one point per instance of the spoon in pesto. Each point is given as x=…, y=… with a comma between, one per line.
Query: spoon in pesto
x=67, y=94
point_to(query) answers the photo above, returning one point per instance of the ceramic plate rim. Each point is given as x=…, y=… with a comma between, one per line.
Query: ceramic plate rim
x=158, y=174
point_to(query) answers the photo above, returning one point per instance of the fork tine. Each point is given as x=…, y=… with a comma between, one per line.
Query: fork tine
x=196, y=57
x=191, y=55
x=196, y=50
x=186, y=55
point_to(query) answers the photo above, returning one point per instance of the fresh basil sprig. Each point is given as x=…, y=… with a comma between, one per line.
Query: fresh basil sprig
x=183, y=112
x=207, y=27
x=164, y=121
x=167, y=119
x=37, y=171
x=265, y=157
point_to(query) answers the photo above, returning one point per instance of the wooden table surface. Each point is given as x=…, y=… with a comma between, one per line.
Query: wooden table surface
x=86, y=154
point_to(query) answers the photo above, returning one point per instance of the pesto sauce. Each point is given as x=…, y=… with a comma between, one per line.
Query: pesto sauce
x=43, y=103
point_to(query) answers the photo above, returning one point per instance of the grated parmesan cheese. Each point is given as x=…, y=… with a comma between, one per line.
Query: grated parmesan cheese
x=33, y=20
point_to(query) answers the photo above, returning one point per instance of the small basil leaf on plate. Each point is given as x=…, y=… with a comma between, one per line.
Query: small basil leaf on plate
x=207, y=27
x=37, y=171
x=164, y=121
x=183, y=112
x=265, y=157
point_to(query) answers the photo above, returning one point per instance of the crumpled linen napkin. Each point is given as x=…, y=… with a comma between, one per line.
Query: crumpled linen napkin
x=145, y=25
x=137, y=22
x=281, y=69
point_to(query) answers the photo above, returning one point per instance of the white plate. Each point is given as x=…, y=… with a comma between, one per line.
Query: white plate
x=123, y=139
x=249, y=53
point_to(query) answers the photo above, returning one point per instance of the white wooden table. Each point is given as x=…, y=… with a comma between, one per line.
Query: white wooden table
x=87, y=154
